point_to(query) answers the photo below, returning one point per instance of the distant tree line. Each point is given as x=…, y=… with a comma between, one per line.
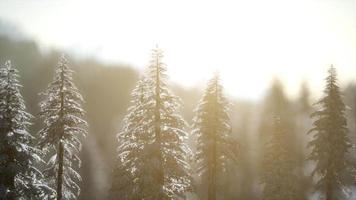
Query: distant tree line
x=154, y=159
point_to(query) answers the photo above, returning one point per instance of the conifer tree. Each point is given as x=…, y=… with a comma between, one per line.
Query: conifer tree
x=153, y=145
x=215, y=147
x=19, y=177
x=169, y=150
x=330, y=144
x=278, y=179
x=129, y=176
x=278, y=104
x=63, y=128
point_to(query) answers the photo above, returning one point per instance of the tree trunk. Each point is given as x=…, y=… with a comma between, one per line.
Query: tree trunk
x=213, y=168
x=329, y=191
x=158, y=127
x=61, y=148
x=60, y=171
x=212, y=183
x=329, y=185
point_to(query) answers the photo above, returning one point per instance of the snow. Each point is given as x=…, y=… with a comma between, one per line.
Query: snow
x=63, y=123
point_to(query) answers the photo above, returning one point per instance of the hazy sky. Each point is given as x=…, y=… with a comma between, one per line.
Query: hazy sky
x=248, y=41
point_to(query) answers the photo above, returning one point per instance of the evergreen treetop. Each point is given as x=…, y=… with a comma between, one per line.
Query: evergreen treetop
x=215, y=146
x=330, y=144
x=63, y=129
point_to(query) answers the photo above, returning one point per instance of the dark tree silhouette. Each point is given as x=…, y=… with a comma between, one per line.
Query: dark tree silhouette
x=330, y=143
x=278, y=180
x=277, y=104
x=215, y=146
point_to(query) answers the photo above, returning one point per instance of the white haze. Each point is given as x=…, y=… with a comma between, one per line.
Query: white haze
x=249, y=42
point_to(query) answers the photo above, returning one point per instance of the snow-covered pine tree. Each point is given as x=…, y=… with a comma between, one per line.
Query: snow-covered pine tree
x=152, y=144
x=129, y=176
x=215, y=147
x=277, y=178
x=19, y=177
x=168, y=150
x=330, y=144
x=153, y=140
x=63, y=128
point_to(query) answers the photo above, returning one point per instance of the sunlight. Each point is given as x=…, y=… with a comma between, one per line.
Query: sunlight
x=249, y=42
x=170, y=100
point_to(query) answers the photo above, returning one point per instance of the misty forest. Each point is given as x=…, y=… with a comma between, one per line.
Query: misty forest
x=77, y=128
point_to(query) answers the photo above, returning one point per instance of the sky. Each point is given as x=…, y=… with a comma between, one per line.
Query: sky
x=249, y=42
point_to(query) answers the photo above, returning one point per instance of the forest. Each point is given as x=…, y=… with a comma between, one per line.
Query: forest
x=76, y=128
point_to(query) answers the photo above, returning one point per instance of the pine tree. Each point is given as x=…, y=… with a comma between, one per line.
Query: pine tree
x=63, y=128
x=278, y=104
x=278, y=178
x=215, y=147
x=153, y=145
x=19, y=177
x=169, y=150
x=330, y=144
x=132, y=159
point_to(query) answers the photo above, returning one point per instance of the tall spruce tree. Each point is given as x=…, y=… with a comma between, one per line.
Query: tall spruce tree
x=19, y=177
x=153, y=145
x=215, y=147
x=330, y=144
x=169, y=150
x=63, y=128
x=279, y=181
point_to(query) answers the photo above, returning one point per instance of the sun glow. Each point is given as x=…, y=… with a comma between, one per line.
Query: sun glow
x=249, y=42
